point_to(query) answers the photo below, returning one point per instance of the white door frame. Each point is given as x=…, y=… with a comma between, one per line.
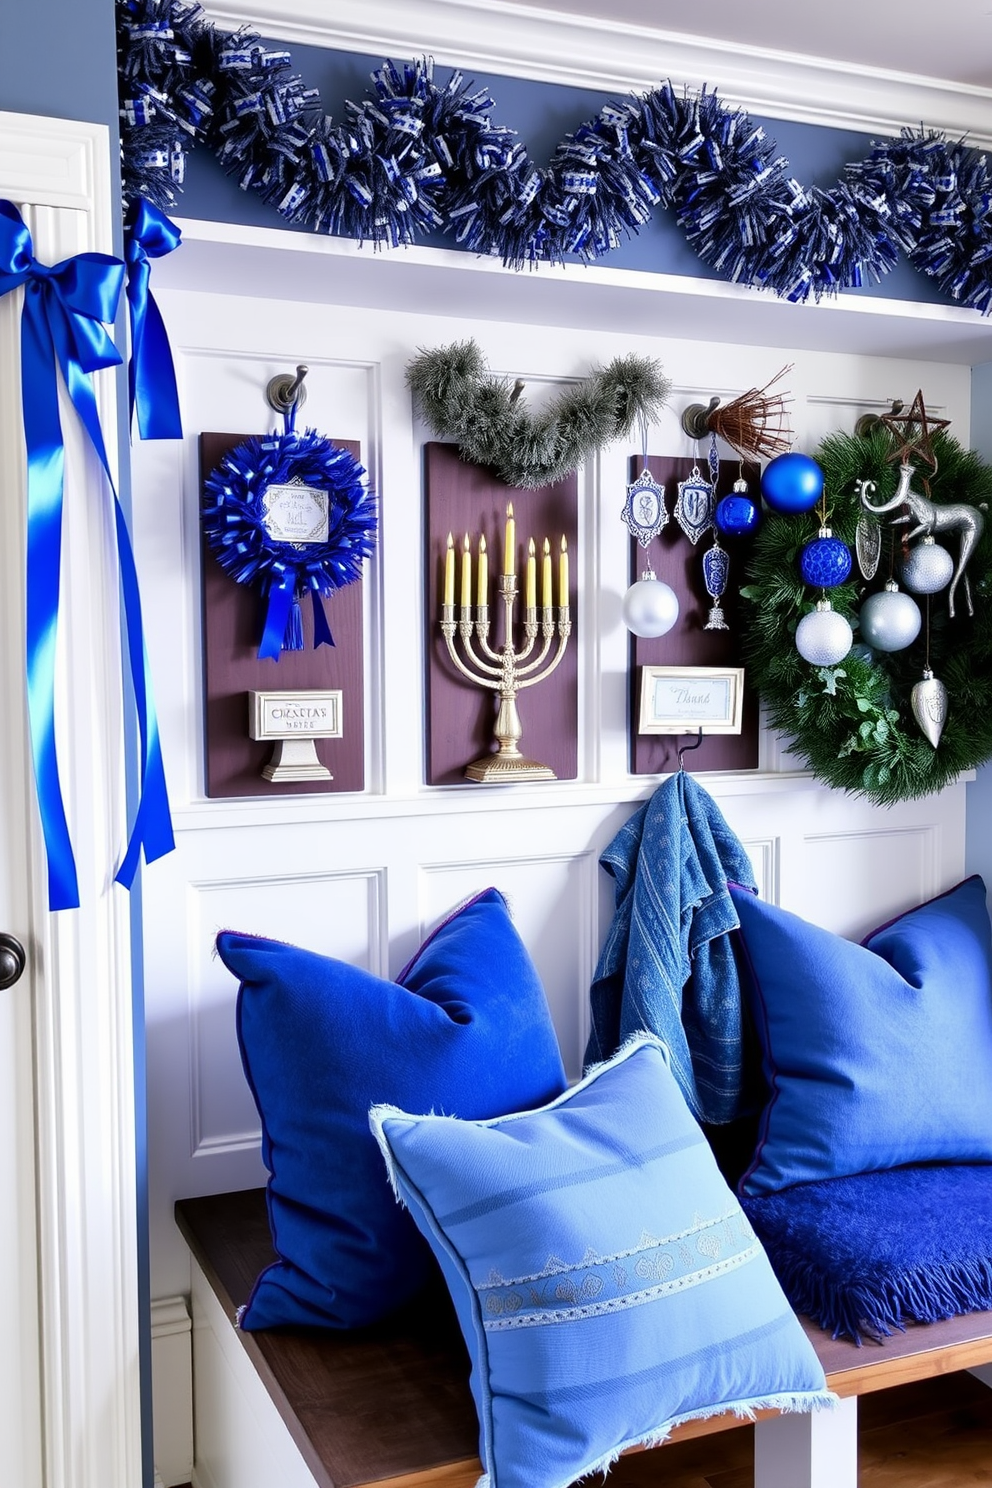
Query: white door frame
x=78, y=1350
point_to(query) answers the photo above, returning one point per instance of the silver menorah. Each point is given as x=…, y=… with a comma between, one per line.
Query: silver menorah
x=508, y=670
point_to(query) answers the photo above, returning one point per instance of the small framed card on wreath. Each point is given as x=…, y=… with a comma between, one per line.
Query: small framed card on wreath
x=680, y=700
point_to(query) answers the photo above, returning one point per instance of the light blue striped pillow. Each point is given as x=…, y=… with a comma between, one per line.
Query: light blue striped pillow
x=607, y=1282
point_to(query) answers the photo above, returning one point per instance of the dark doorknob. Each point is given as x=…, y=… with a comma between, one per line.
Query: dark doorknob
x=11, y=960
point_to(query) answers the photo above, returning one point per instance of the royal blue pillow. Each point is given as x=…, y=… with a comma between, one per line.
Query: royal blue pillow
x=466, y=1030
x=876, y=1055
x=606, y=1281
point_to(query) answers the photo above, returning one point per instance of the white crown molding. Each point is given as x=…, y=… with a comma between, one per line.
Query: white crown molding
x=520, y=41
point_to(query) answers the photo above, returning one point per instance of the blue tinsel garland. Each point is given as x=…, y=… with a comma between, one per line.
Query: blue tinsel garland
x=415, y=157
x=236, y=530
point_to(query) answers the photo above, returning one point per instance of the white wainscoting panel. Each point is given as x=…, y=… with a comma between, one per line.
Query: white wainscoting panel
x=172, y=1390
x=333, y=914
x=855, y=881
x=545, y=894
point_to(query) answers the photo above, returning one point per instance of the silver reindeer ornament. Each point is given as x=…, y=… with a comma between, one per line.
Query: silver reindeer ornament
x=932, y=519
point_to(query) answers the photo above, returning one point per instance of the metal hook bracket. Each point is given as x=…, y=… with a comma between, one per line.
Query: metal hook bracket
x=695, y=418
x=285, y=392
x=870, y=421
x=688, y=748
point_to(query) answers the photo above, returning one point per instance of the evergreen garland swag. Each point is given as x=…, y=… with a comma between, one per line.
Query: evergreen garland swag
x=853, y=724
x=460, y=399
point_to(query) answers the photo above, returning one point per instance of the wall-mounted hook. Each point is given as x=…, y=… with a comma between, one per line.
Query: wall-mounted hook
x=870, y=421
x=695, y=418
x=285, y=392
x=685, y=749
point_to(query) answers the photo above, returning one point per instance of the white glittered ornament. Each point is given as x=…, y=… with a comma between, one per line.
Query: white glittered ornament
x=823, y=638
x=890, y=621
x=650, y=608
x=928, y=567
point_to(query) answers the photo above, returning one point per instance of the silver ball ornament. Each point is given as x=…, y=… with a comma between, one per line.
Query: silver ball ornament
x=890, y=621
x=823, y=638
x=650, y=607
x=928, y=567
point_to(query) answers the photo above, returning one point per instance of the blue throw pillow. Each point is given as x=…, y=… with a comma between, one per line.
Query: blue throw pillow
x=466, y=1030
x=876, y=1055
x=607, y=1283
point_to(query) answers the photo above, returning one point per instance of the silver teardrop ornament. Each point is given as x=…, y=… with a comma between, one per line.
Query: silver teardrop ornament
x=929, y=704
x=868, y=546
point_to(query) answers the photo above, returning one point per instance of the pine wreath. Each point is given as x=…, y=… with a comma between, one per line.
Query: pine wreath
x=852, y=723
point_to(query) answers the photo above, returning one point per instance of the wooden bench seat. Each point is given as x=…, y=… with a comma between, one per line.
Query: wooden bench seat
x=390, y=1406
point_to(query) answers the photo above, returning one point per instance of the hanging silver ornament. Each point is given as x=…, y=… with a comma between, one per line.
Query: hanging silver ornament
x=890, y=621
x=649, y=608
x=928, y=567
x=716, y=567
x=929, y=703
x=823, y=638
x=695, y=505
x=645, y=513
x=868, y=546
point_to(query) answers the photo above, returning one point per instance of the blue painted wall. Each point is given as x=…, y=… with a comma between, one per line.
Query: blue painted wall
x=979, y=816
x=73, y=75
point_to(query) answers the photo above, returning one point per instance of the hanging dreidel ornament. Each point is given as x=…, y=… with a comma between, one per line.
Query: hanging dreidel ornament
x=650, y=607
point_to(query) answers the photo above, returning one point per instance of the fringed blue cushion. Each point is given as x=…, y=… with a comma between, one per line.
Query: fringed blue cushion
x=607, y=1283
x=877, y=1055
x=862, y=1256
x=466, y=1029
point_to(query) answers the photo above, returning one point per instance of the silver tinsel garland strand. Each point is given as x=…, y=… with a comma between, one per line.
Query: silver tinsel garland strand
x=416, y=156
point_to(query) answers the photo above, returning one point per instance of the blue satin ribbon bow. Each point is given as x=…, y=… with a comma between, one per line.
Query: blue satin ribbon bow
x=151, y=376
x=66, y=308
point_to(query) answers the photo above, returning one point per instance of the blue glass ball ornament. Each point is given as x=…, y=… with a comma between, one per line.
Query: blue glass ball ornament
x=891, y=620
x=792, y=483
x=737, y=515
x=825, y=562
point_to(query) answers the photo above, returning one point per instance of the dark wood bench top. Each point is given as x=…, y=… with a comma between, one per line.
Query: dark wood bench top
x=391, y=1404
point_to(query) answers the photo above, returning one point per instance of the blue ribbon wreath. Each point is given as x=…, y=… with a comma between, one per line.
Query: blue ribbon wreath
x=236, y=529
x=66, y=308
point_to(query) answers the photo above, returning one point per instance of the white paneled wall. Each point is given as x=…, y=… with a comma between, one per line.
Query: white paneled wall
x=365, y=877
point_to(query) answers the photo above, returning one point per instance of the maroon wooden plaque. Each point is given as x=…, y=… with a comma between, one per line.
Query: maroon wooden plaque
x=462, y=497
x=680, y=563
x=232, y=628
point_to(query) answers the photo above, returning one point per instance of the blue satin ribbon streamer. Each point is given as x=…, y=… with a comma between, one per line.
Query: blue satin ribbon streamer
x=321, y=630
x=151, y=376
x=66, y=308
x=278, y=605
x=280, y=598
